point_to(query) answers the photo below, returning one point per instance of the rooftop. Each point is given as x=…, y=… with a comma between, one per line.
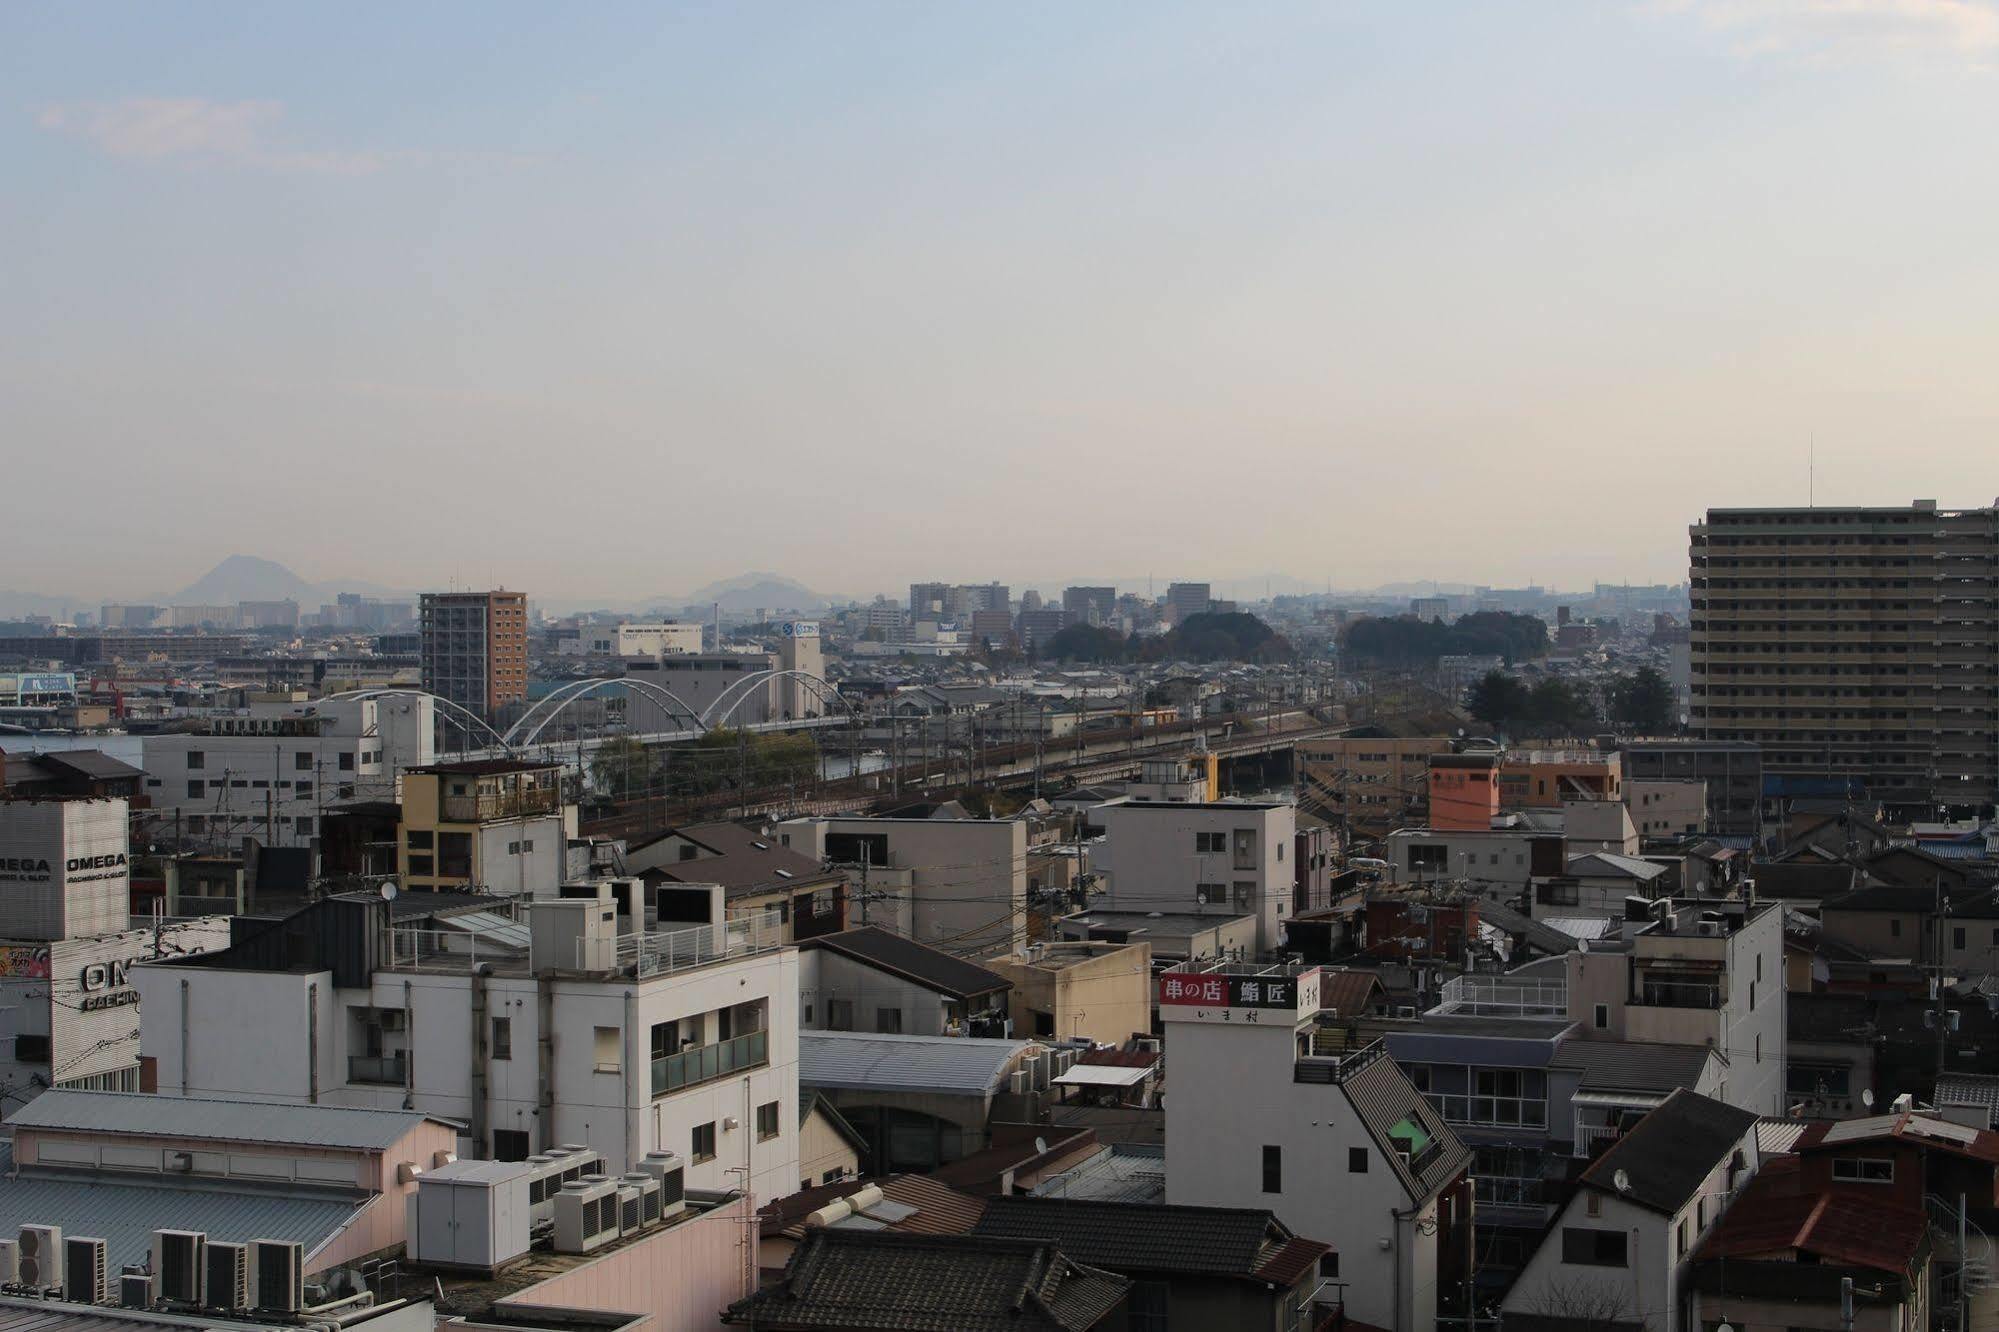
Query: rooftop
x=1627, y=1066
x=221, y=1119
x=1134, y=1237
x=1670, y=1151
x=918, y=963
x=1776, y=1216
x=951, y=1065
x=495, y=767
x=854, y=1280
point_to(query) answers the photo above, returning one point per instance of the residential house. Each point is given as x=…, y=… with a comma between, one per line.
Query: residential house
x=1099, y=991
x=1226, y=858
x=871, y=980
x=755, y=870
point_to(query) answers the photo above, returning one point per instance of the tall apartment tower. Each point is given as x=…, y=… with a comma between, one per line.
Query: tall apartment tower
x=1858, y=647
x=1184, y=599
x=475, y=649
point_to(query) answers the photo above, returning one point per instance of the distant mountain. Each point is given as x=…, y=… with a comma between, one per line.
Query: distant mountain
x=749, y=591
x=251, y=578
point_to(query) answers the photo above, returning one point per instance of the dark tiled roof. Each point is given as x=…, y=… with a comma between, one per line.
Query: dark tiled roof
x=1538, y=933
x=983, y=1170
x=93, y=764
x=1349, y=992
x=1804, y=882
x=940, y=1209
x=1670, y=1151
x=1132, y=1238
x=1631, y=1067
x=932, y=1283
x=744, y=861
x=918, y=963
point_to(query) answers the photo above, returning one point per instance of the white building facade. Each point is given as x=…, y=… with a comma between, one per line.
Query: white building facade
x=1228, y=858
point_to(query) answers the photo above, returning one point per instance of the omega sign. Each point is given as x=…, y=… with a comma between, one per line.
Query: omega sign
x=107, y=985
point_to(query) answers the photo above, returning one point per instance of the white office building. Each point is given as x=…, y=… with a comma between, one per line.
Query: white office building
x=547, y=1028
x=1222, y=858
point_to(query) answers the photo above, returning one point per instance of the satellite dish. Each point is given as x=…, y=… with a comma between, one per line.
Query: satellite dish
x=388, y=891
x=1622, y=1181
x=1867, y=1097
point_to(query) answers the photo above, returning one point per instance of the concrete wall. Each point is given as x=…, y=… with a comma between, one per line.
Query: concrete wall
x=1155, y=863
x=1106, y=995
x=822, y=1151
x=681, y=1277
x=1667, y=808
x=967, y=878
x=825, y=977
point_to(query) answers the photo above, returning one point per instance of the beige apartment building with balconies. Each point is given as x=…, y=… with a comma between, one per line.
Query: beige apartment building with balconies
x=1858, y=647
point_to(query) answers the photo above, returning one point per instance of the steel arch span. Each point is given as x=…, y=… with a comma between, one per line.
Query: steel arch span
x=529, y=728
x=463, y=716
x=716, y=715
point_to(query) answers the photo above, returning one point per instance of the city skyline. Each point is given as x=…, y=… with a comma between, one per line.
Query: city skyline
x=1055, y=281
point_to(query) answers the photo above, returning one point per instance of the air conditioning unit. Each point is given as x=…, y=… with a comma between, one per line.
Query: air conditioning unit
x=177, y=1262
x=135, y=1290
x=86, y=1271
x=1020, y=1082
x=41, y=1256
x=648, y=1187
x=671, y=1172
x=631, y=1209
x=586, y=1216
x=10, y=1263
x=225, y=1278
x=279, y=1271
x=1064, y=1061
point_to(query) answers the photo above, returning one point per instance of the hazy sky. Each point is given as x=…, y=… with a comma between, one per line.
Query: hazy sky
x=618, y=298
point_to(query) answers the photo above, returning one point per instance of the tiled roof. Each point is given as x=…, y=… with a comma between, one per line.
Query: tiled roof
x=952, y=1065
x=918, y=963
x=1134, y=1238
x=1538, y=933
x=1633, y=1067
x=744, y=861
x=1968, y=1089
x=1610, y=864
x=1914, y=1130
x=1775, y=1215
x=154, y=1115
x=1670, y=1151
x=1347, y=991
x=1802, y=881
x=985, y=1170
x=866, y=1280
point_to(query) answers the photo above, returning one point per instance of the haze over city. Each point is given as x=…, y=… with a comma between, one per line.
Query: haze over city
x=1355, y=293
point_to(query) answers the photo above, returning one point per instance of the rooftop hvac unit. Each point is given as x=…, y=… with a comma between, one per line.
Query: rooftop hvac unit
x=177, y=1262
x=10, y=1263
x=471, y=1216
x=648, y=1188
x=671, y=1172
x=86, y=1271
x=1064, y=1061
x=631, y=1209
x=41, y=1256
x=225, y=1278
x=586, y=1216
x=135, y=1290
x=278, y=1268
x=1020, y=1082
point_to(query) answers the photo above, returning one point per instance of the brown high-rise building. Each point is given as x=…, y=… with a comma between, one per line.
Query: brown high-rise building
x=1858, y=647
x=475, y=649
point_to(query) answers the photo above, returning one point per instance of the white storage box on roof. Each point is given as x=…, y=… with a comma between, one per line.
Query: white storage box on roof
x=470, y=1216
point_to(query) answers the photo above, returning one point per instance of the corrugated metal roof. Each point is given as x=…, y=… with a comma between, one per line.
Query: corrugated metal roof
x=857, y=1062
x=1632, y=1066
x=1382, y=1095
x=490, y=927
x=216, y=1118
x=125, y=1216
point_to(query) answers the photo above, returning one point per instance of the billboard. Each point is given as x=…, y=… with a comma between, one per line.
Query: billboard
x=1222, y=997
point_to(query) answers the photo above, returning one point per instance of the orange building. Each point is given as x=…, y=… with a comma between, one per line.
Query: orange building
x=1464, y=791
x=1543, y=778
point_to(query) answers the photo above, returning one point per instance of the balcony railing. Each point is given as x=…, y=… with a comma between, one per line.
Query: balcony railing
x=1678, y=994
x=1320, y=1068
x=1504, y=996
x=1593, y=1138
x=705, y=1063
x=381, y=1070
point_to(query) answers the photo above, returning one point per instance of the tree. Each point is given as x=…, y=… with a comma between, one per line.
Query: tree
x=1499, y=699
x=1556, y=707
x=621, y=767
x=1407, y=641
x=1644, y=701
x=1085, y=642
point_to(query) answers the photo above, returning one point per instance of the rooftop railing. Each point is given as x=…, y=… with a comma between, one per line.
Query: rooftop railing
x=1504, y=996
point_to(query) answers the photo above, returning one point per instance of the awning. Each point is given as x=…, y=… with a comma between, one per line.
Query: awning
x=1619, y=1100
x=1104, y=1075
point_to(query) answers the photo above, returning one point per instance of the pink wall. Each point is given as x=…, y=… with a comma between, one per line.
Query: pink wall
x=683, y=1276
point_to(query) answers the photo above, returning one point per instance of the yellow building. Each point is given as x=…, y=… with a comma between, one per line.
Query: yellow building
x=1099, y=990
x=496, y=825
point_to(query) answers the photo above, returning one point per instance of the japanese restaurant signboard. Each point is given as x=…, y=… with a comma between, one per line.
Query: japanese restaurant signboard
x=1225, y=998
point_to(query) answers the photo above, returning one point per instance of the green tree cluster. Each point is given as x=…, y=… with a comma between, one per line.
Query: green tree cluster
x=1407, y=641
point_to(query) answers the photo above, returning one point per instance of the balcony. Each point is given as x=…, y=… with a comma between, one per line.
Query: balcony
x=390, y=1070
x=1677, y=994
x=1504, y=996
x=1334, y=1070
x=705, y=1063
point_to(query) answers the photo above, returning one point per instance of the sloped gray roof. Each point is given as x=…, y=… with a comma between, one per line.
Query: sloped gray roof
x=1628, y=1066
x=161, y=1116
x=852, y=1061
x=1610, y=864
x=125, y=1215
x=1382, y=1095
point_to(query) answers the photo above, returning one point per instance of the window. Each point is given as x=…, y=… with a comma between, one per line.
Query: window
x=302, y=788
x=1429, y=859
x=1957, y=936
x=510, y=1145
x=767, y=1121
x=1280, y=852
x=1589, y=1247
x=1273, y=1170
x=347, y=761
x=1894, y=927
x=1245, y=848
x=1211, y=843
x=195, y=789
x=702, y=1145
x=1356, y=1160
x=1759, y=969
x=1211, y=894
x=1863, y=1170
x=422, y=865
x=1602, y=1016
x=302, y=761
x=421, y=839
x=302, y=825
x=888, y=1021
x=1245, y=893
x=1593, y=1204
x=605, y=1045
x=503, y=1038
x=839, y=1015
x=196, y=760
